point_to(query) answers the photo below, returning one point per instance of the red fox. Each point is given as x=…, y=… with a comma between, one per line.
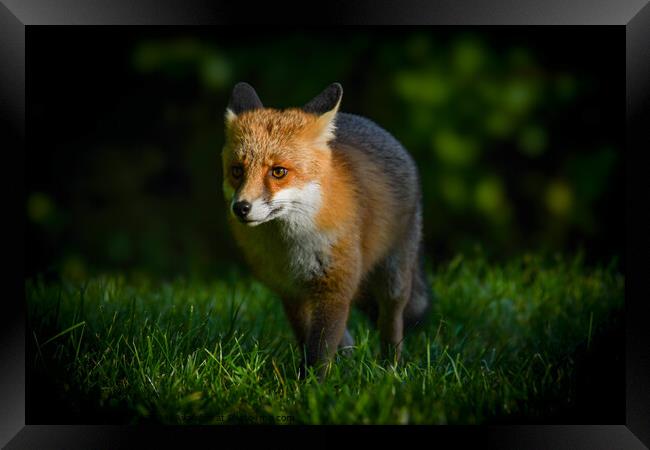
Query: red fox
x=326, y=207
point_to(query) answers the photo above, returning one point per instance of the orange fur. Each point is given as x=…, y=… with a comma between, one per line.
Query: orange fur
x=355, y=209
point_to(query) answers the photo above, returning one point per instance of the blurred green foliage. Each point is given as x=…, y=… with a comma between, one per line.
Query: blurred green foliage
x=489, y=126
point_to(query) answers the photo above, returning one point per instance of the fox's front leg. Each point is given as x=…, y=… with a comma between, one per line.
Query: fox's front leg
x=319, y=327
x=329, y=298
x=326, y=331
x=298, y=315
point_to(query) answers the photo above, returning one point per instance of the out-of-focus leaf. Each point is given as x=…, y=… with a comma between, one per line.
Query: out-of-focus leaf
x=532, y=140
x=559, y=197
x=455, y=149
x=427, y=88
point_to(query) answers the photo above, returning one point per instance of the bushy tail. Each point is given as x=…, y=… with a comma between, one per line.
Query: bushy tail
x=417, y=311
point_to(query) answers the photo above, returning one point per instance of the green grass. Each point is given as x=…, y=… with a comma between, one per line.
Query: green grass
x=499, y=344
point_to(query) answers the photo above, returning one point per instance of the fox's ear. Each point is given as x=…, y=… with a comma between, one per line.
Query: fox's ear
x=243, y=98
x=326, y=101
x=325, y=105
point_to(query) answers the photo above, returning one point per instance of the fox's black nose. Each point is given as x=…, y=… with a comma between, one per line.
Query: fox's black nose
x=241, y=209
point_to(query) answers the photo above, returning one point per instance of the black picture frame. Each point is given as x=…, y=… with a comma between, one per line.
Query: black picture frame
x=634, y=15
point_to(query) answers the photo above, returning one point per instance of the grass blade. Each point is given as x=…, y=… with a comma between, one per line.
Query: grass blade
x=64, y=332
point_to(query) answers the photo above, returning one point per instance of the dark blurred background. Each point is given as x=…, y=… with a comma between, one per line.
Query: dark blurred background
x=518, y=133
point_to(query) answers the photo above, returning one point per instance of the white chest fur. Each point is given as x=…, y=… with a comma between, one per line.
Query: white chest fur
x=308, y=249
x=290, y=249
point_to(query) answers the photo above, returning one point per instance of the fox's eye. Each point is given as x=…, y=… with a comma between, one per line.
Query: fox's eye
x=236, y=171
x=278, y=172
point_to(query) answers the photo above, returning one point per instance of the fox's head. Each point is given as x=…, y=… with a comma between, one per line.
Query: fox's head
x=274, y=160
